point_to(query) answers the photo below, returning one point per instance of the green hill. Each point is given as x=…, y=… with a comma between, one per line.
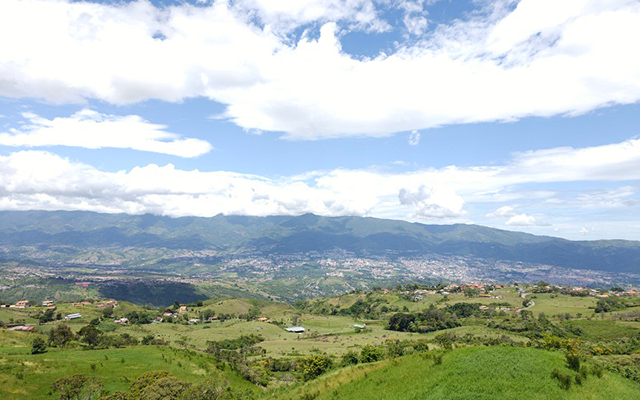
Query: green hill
x=469, y=373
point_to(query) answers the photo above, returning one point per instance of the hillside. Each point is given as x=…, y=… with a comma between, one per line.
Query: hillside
x=470, y=373
x=352, y=347
x=308, y=233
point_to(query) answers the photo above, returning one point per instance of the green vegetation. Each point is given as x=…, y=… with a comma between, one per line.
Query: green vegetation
x=361, y=344
x=468, y=373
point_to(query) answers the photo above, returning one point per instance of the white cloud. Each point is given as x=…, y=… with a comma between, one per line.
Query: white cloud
x=41, y=180
x=433, y=202
x=414, y=138
x=524, y=220
x=585, y=230
x=93, y=130
x=284, y=15
x=505, y=211
x=541, y=59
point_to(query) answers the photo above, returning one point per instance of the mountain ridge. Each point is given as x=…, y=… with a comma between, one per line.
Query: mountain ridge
x=309, y=232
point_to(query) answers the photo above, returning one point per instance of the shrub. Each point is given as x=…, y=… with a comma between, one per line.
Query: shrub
x=76, y=387
x=371, y=353
x=563, y=379
x=60, y=336
x=350, y=358
x=573, y=360
x=38, y=346
x=314, y=366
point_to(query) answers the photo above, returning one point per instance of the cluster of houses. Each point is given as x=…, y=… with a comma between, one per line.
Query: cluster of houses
x=597, y=293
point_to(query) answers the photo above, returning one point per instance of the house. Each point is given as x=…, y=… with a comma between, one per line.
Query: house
x=484, y=308
x=121, y=321
x=22, y=304
x=52, y=308
x=167, y=314
x=359, y=326
x=105, y=304
x=73, y=316
x=193, y=321
x=47, y=303
x=23, y=328
x=295, y=329
x=183, y=309
x=263, y=319
x=485, y=295
x=158, y=319
x=213, y=318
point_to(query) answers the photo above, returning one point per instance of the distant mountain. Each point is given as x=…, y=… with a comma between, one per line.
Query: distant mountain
x=292, y=234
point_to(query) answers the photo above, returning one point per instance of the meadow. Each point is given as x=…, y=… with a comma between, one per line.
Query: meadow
x=485, y=355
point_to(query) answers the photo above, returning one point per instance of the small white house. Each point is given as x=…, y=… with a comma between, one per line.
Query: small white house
x=295, y=329
x=73, y=316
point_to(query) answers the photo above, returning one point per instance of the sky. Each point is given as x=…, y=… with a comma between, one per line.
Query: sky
x=519, y=115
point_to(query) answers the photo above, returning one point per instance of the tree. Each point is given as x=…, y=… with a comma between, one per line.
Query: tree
x=38, y=346
x=169, y=387
x=107, y=312
x=90, y=335
x=77, y=387
x=60, y=336
x=147, y=379
x=469, y=292
x=401, y=322
x=47, y=316
x=253, y=313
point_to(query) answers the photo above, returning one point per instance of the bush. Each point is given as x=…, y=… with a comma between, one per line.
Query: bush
x=371, y=353
x=314, y=366
x=564, y=379
x=77, y=387
x=38, y=346
x=60, y=336
x=573, y=360
x=350, y=358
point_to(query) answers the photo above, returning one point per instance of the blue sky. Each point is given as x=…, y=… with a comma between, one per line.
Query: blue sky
x=520, y=115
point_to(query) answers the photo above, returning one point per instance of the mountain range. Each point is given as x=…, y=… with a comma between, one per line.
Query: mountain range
x=309, y=232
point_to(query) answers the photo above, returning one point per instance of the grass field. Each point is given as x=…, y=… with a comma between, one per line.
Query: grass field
x=562, y=304
x=469, y=373
x=465, y=373
x=30, y=376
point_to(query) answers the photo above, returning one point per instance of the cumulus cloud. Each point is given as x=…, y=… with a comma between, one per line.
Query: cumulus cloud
x=42, y=180
x=540, y=59
x=93, y=130
x=432, y=202
x=505, y=211
x=414, y=138
x=524, y=220
x=284, y=16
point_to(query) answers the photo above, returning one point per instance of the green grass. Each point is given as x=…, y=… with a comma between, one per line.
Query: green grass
x=23, y=374
x=469, y=373
x=562, y=304
x=596, y=330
